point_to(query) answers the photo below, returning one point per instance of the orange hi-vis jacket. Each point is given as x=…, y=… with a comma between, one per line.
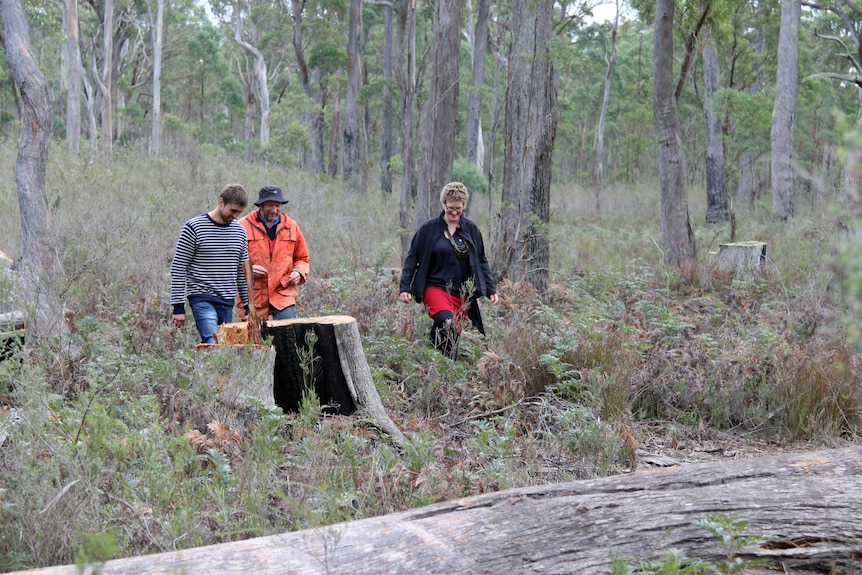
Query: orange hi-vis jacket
x=286, y=253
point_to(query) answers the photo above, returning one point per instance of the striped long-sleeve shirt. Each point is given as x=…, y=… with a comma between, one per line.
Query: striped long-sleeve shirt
x=208, y=262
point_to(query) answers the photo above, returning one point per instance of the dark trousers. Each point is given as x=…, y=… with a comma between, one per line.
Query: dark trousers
x=444, y=334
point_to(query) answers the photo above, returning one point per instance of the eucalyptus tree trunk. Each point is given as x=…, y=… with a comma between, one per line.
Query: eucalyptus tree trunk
x=678, y=244
x=74, y=75
x=500, y=65
x=249, y=89
x=106, y=79
x=46, y=322
x=784, y=110
x=334, y=130
x=157, y=27
x=600, y=129
x=314, y=119
x=407, y=129
x=522, y=253
x=350, y=157
x=716, y=183
x=386, y=97
x=690, y=44
x=479, y=45
x=441, y=112
x=93, y=131
x=260, y=86
x=748, y=179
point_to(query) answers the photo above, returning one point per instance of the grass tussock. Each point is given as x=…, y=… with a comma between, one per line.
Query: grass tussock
x=124, y=451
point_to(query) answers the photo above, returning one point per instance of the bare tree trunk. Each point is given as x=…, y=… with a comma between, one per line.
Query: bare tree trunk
x=748, y=188
x=47, y=322
x=249, y=90
x=407, y=130
x=332, y=166
x=716, y=183
x=531, y=121
x=350, y=154
x=677, y=236
x=260, y=85
x=784, y=110
x=441, y=113
x=314, y=119
x=90, y=92
x=600, y=129
x=106, y=79
x=156, y=141
x=494, y=121
x=388, y=121
x=75, y=73
x=690, y=44
x=479, y=45
x=318, y=126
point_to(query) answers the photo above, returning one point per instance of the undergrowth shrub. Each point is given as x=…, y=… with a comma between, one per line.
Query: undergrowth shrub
x=815, y=391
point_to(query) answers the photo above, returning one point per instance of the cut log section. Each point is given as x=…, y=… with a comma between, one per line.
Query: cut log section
x=324, y=354
x=807, y=505
x=743, y=258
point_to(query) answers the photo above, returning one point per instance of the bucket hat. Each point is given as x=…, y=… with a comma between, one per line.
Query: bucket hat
x=270, y=194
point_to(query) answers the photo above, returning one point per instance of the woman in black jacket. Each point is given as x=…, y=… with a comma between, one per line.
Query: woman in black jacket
x=446, y=270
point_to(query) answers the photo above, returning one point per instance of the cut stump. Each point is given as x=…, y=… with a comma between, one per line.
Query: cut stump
x=324, y=354
x=806, y=505
x=743, y=258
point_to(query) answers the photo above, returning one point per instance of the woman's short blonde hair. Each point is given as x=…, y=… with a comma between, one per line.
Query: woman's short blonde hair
x=454, y=192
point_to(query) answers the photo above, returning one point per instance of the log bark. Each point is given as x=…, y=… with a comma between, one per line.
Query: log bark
x=324, y=354
x=806, y=504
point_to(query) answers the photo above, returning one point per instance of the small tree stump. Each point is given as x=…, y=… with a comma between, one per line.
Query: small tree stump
x=233, y=373
x=324, y=354
x=744, y=258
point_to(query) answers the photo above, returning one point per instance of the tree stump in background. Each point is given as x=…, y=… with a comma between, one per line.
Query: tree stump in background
x=324, y=354
x=234, y=373
x=743, y=258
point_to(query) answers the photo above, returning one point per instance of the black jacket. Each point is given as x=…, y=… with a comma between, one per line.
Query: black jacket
x=414, y=274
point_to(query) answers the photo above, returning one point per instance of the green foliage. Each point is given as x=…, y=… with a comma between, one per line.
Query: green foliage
x=96, y=548
x=470, y=175
x=727, y=529
x=327, y=57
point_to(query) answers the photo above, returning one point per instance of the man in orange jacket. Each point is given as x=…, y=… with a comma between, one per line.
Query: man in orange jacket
x=278, y=253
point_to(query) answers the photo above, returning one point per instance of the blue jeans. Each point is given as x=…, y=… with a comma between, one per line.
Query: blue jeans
x=287, y=313
x=208, y=316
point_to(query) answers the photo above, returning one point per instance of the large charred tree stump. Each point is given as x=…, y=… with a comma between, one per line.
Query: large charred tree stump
x=807, y=505
x=323, y=354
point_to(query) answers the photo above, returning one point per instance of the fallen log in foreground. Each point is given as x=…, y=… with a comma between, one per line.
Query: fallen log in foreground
x=808, y=505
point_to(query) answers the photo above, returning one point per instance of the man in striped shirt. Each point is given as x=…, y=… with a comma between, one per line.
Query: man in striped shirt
x=211, y=265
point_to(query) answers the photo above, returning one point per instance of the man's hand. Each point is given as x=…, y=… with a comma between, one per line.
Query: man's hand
x=294, y=278
x=258, y=271
x=179, y=319
x=405, y=296
x=495, y=299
